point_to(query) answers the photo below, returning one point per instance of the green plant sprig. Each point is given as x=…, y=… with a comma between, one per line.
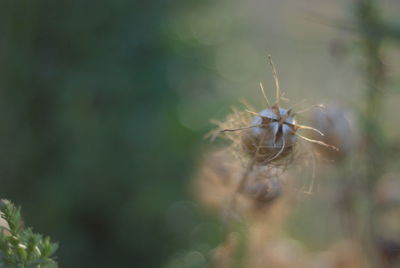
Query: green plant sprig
x=20, y=247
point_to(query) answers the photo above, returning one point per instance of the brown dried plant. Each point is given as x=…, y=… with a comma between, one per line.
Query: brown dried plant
x=246, y=178
x=263, y=139
x=267, y=137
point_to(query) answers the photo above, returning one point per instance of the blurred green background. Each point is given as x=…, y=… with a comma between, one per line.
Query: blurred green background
x=104, y=104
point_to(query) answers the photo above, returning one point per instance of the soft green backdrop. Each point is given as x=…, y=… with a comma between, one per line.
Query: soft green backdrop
x=103, y=106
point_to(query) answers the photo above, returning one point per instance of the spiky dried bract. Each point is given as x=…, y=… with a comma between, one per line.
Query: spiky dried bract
x=231, y=130
x=272, y=139
x=267, y=137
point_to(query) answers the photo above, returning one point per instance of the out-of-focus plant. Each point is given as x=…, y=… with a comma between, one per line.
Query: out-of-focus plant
x=376, y=152
x=363, y=159
x=373, y=32
x=89, y=97
x=20, y=247
x=246, y=181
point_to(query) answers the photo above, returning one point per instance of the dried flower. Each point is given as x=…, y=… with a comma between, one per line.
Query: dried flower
x=267, y=137
x=272, y=137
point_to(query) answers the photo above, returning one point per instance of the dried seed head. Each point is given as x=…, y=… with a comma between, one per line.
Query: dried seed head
x=219, y=176
x=336, y=124
x=268, y=137
x=262, y=186
x=273, y=137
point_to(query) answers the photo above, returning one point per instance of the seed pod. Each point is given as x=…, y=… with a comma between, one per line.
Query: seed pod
x=263, y=191
x=273, y=137
x=338, y=131
x=269, y=137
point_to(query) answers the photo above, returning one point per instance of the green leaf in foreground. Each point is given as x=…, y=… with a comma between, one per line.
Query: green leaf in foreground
x=20, y=247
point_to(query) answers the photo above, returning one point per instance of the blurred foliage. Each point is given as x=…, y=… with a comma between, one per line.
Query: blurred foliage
x=91, y=146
